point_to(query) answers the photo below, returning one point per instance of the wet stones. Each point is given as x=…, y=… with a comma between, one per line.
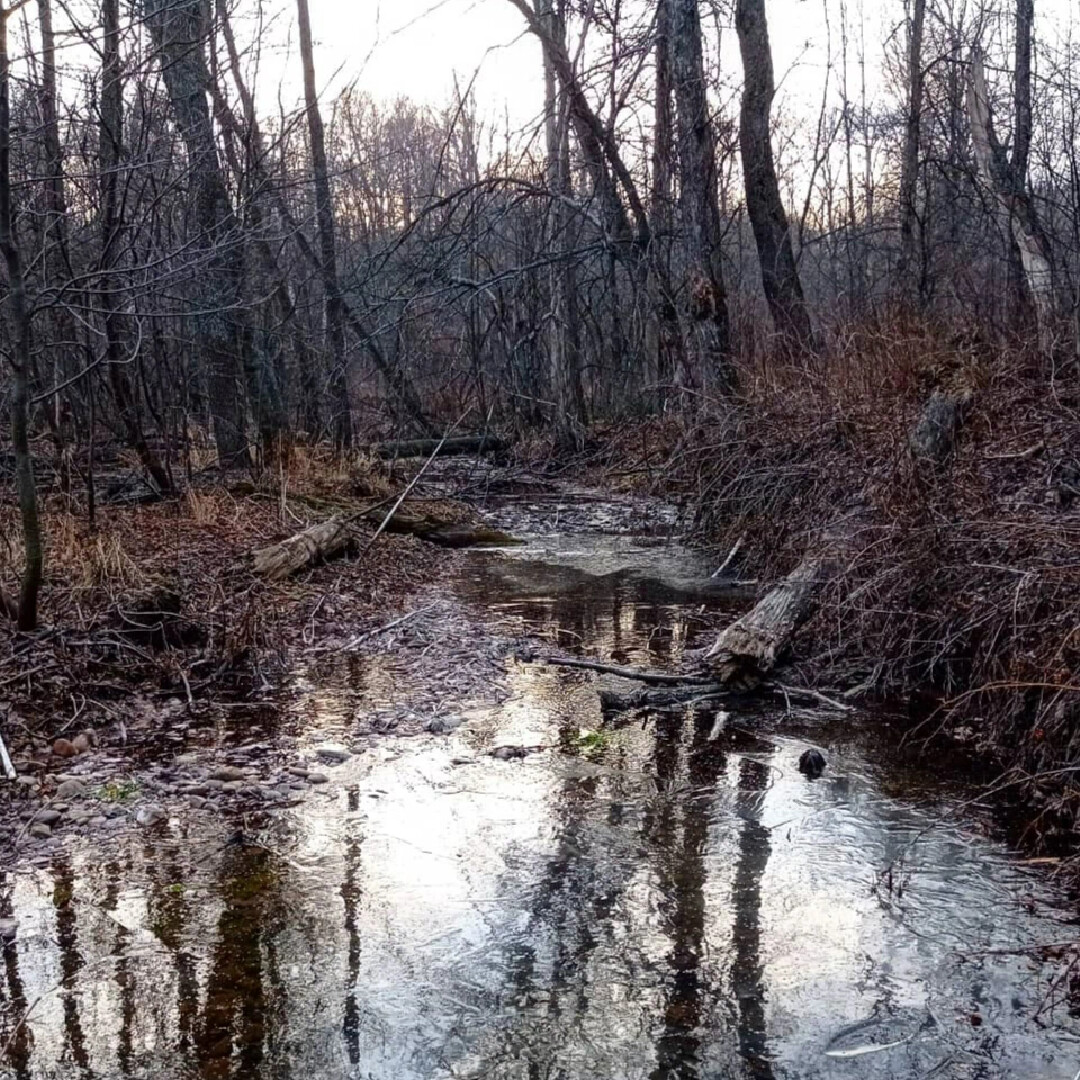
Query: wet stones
x=444, y=725
x=812, y=763
x=333, y=753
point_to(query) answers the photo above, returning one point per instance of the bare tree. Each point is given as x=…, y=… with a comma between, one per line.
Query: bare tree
x=1006, y=176
x=179, y=31
x=779, y=274
x=21, y=354
x=324, y=218
x=562, y=326
x=705, y=307
x=908, y=277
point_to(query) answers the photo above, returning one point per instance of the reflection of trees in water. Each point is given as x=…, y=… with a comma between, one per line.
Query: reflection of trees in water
x=14, y=1033
x=125, y=980
x=747, y=969
x=681, y=876
x=71, y=962
x=351, y=894
x=236, y=1031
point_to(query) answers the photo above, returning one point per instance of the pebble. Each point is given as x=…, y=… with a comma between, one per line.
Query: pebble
x=318, y=778
x=227, y=773
x=333, y=753
x=443, y=725
x=150, y=814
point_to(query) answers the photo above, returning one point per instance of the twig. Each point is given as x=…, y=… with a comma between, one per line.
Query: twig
x=350, y=645
x=731, y=556
x=649, y=678
x=412, y=483
x=5, y=761
x=815, y=695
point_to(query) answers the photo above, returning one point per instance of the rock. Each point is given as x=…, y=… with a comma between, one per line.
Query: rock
x=98, y=820
x=297, y=770
x=443, y=725
x=812, y=763
x=196, y=802
x=508, y=753
x=71, y=789
x=227, y=773
x=48, y=817
x=318, y=778
x=150, y=814
x=8, y=929
x=333, y=753
x=233, y=786
x=40, y=832
x=185, y=761
x=64, y=748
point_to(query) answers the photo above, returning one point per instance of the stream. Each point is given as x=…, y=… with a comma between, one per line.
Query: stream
x=663, y=898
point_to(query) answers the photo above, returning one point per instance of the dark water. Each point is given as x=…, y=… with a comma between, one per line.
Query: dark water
x=670, y=899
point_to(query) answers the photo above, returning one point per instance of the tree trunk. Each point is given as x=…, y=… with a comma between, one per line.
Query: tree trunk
x=324, y=217
x=779, y=274
x=907, y=269
x=705, y=308
x=1009, y=185
x=563, y=356
x=179, y=32
x=750, y=648
x=110, y=140
x=20, y=356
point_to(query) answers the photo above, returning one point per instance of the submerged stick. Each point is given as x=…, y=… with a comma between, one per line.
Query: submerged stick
x=5, y=761
x=649, y=678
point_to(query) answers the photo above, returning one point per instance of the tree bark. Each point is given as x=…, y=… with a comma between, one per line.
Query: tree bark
x=324, y=218
x=20, y=357
x=1008, y=184
x=563, y=357
x=705, y=307
x=109, y=154
x=907, y=268
x=779, y=274
x=179, y=33
x=750, y=648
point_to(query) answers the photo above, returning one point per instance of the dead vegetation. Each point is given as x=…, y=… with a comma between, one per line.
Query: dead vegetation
x=162, y=601
x=957, y=593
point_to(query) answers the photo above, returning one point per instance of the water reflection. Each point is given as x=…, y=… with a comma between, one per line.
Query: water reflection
x=675, y=903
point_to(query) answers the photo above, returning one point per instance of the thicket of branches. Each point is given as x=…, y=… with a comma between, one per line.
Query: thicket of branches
x=188, y=270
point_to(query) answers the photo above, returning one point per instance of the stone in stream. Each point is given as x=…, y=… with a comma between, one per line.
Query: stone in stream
x=444, y=725
x=333, y=753
x=150, y=814
x=812, y=763
x=71, y=789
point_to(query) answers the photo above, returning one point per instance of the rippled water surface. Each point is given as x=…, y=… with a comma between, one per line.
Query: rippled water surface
x=669, y=899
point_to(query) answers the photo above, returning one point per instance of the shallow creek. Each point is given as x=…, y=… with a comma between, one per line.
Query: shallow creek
x=665, y=898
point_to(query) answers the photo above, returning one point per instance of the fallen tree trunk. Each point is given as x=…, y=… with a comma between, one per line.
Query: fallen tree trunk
x=322, y=542
x=308, y=548
x=750, y=648
x=465, y=444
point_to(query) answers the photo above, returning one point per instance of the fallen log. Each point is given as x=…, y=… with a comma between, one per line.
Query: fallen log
x=314, y=545
x=328, y=539
x=751, y=646
x=464, y=444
